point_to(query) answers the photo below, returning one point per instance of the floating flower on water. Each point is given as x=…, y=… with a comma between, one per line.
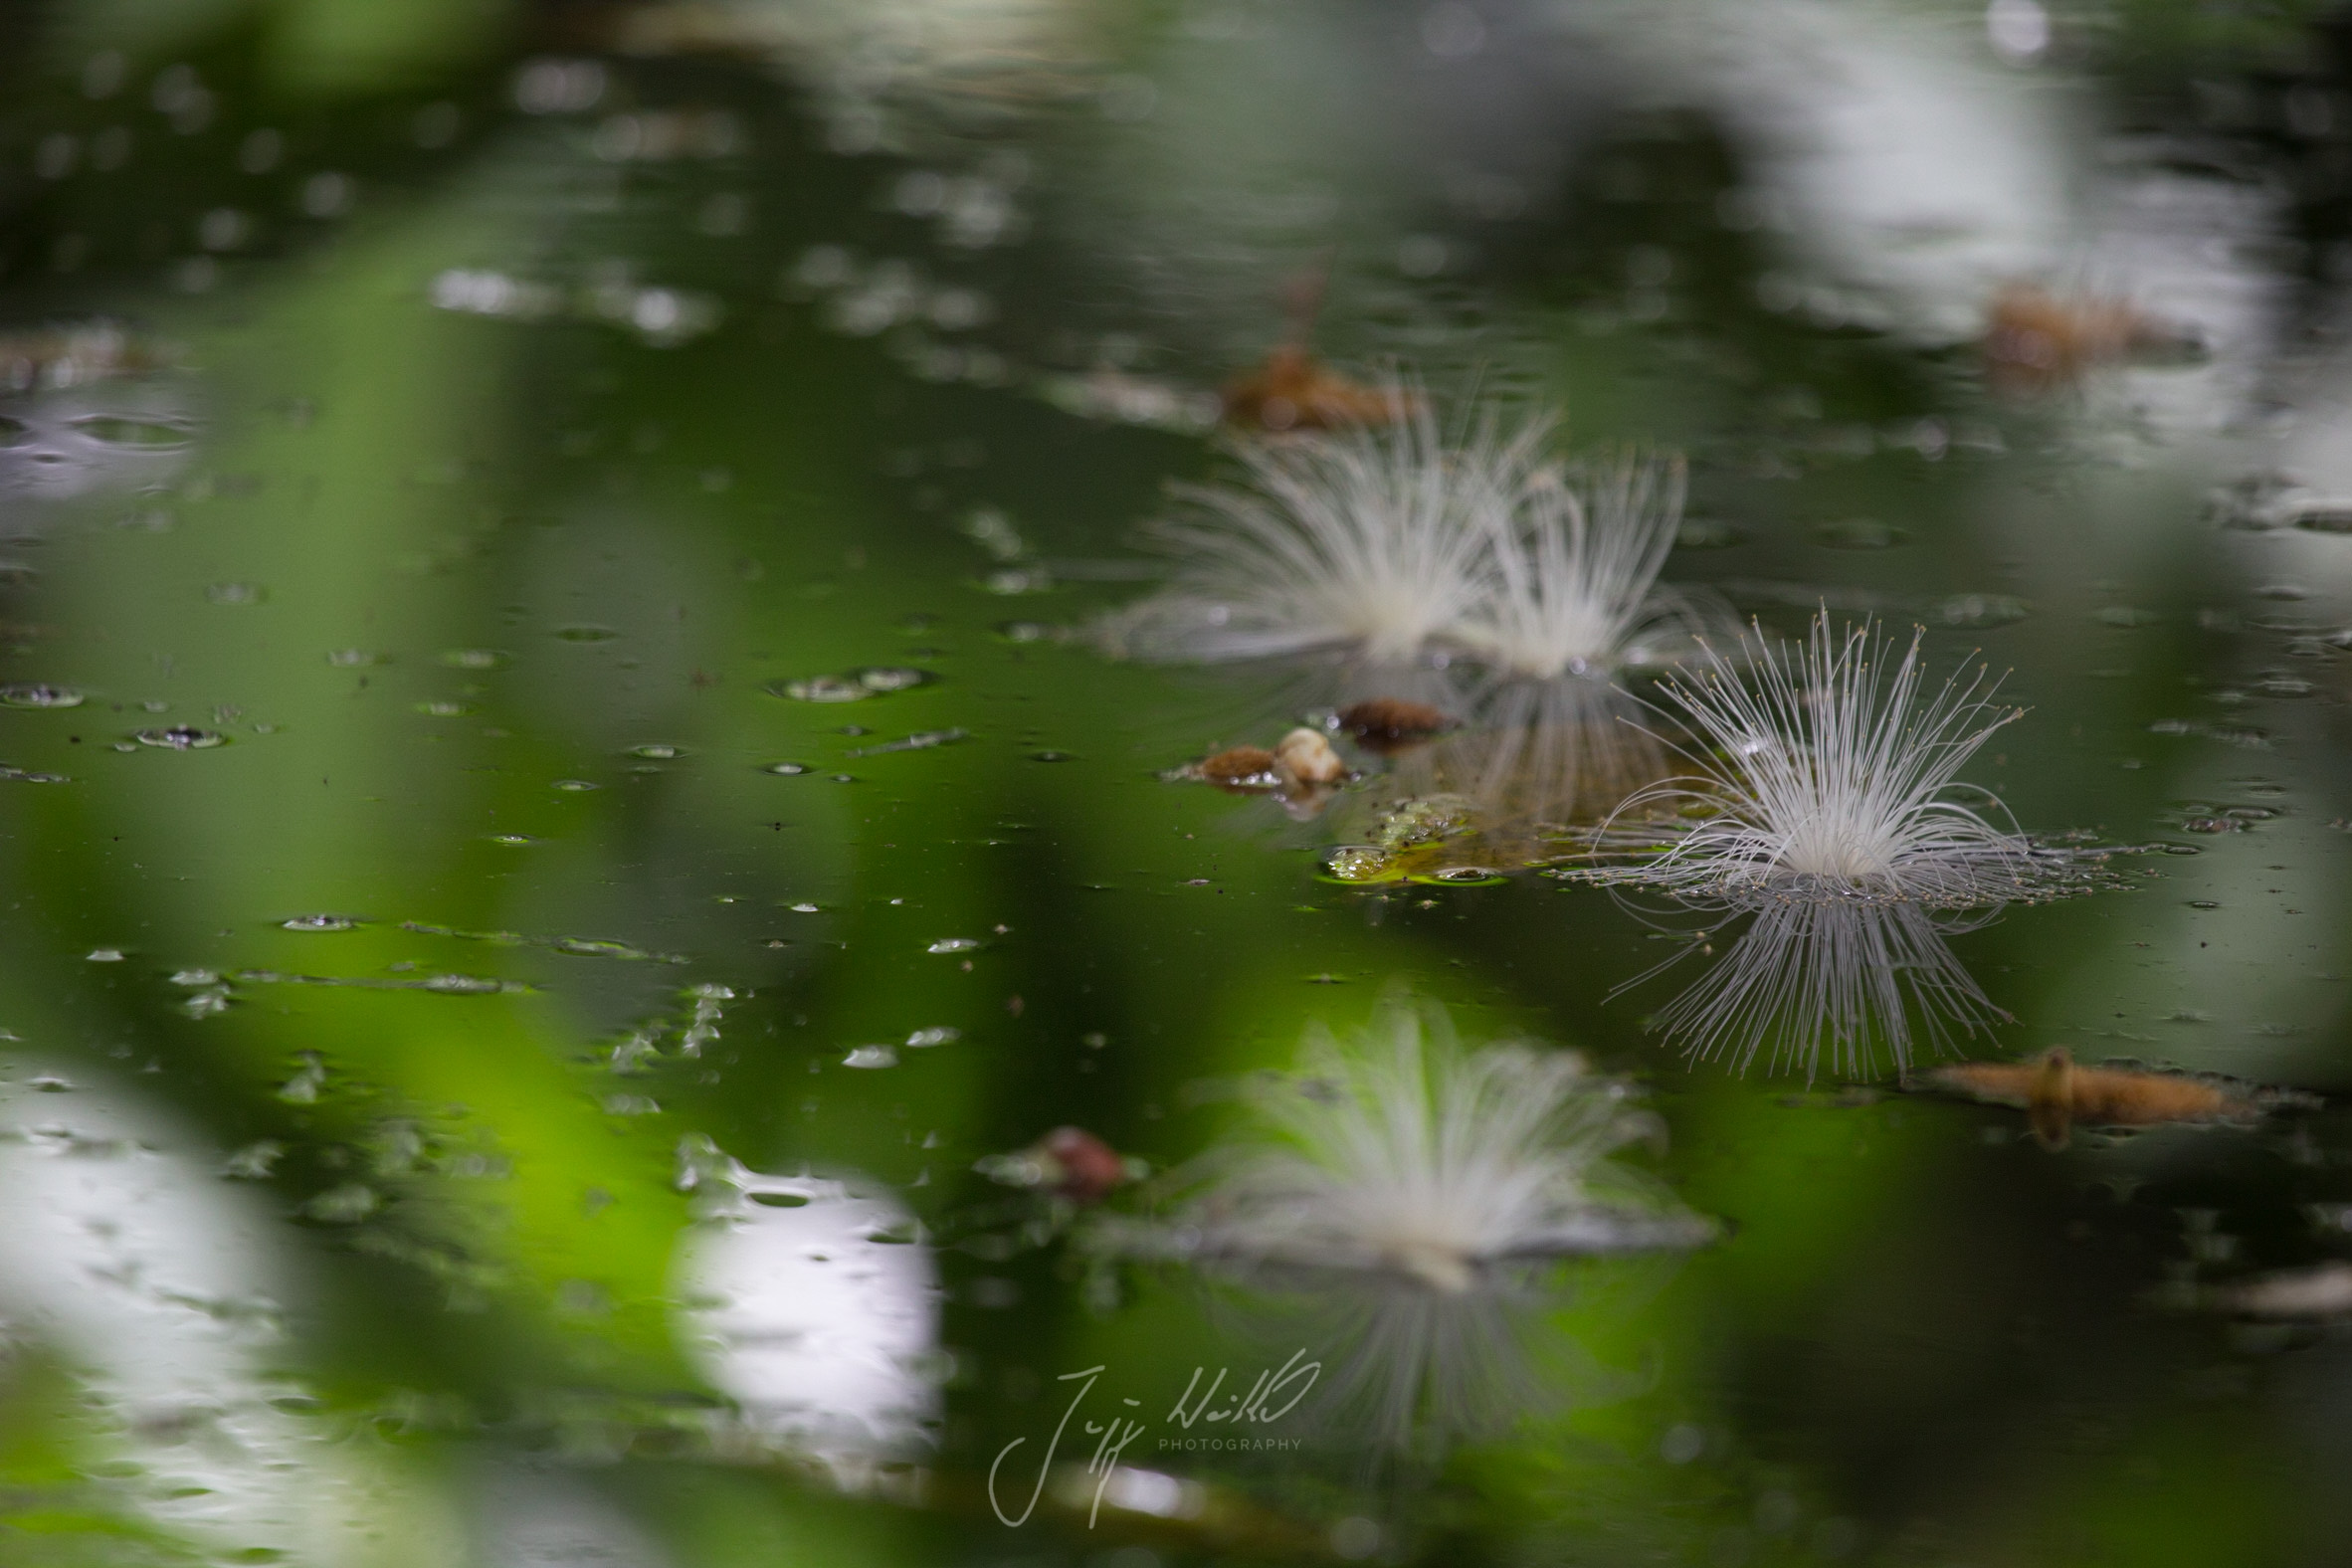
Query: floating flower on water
x=2059, y=1095
x=1375, y=541
x=1829, y=779
x=1402, y=1154
x=1575, y=564
x=1413, y=1198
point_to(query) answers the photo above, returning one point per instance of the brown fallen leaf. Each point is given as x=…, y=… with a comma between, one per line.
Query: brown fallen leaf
x=2035, y=340
x=1292, y=390
x=2056, y=1095
x=1387, y=725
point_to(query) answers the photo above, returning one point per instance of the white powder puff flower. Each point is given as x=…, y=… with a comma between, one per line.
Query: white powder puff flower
x=1371, y=540
x=1830, y=779
x=1809, y=981
x=1573, y=584
x=1404, y=1156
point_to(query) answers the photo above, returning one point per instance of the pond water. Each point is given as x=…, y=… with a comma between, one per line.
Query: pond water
x=638, y=931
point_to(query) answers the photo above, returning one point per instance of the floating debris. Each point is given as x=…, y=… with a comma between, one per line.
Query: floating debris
x=2037, y=341
x=576, y=946
x=855, y=687
x=1068, y=1161
x=180, y=738
x=1292, y=390
x=2058, y=1095
x=1239, y=768
x=36, y=695
x=1303, y=755
x=921, y=740
x=1389, y=724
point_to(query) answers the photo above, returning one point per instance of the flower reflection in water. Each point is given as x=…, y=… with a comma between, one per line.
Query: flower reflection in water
x=1811, y=979
x=1414, y=1199
x=1507, y=788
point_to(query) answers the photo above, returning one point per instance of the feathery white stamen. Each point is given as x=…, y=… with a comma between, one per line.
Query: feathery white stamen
x=1830, y=779
x=1373, y=540
x=1573, y=588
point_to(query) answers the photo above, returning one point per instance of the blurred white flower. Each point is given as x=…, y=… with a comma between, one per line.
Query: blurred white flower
x=1401, y=1153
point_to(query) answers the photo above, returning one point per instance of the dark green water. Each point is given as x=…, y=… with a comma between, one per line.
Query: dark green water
x=492, y=1077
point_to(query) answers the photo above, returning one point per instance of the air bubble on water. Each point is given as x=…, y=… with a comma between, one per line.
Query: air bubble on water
x=1024, y=631
x=785, y=769
x=463, y=985
x=180, y=738
x=803, y=908
x=37, y=695
x=937, y=1035
x=154, y=707
x=320, y=922
x=657, y=751
x=347, y=658
x=890, y=678
x=586, y=633
x=303, y=1088
x=954, y=944
x=196, y=977
x=871, y=1057
x=1706, y=533
x=444, y=710
x=1980, y=609
x=255, y=1161
x=513, y=839
x=473, y=659
x=576, y=786
x=103, y=955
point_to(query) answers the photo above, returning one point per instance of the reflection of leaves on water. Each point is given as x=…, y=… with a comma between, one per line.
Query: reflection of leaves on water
x=1506, y=790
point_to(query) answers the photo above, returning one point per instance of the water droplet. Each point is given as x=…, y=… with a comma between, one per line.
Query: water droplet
x=513, y=837
x=657, y=751
x=871, y=1057
x=463, y=985
x=320, y=922
x=575, y=785
x=586, y=633
x=348, y=657
x=105, y=955
x=820, y=689
x=938, y=1035
x=785, y=769
x=803, y=908
x=473, y=658
x=180, y=738
x=2203, y=903
x=444, y=710
x=236, y=593
x=1051, y=756
x=954, y=944
x=35, y=694
x=1024, y=630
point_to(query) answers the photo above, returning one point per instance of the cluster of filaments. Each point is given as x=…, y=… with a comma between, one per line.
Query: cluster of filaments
x=1391, y=544
x=1822, y=777
x=1402, y=1154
